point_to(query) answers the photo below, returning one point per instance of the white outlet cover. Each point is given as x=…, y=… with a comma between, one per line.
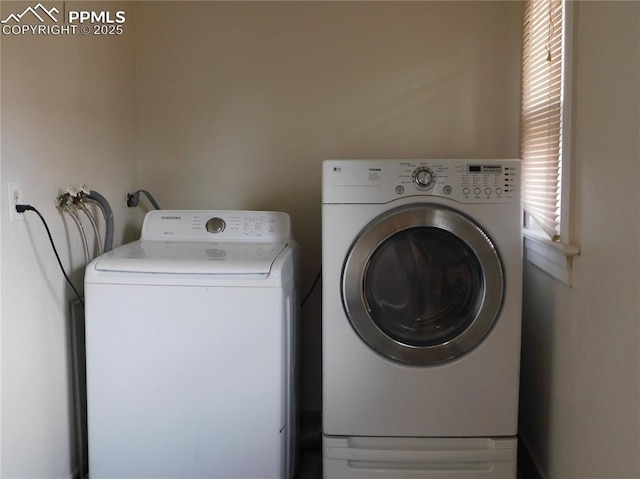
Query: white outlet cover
x=14, y=190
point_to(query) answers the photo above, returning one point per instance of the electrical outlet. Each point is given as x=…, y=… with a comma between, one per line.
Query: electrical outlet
x=127, y=208
x=15, y=198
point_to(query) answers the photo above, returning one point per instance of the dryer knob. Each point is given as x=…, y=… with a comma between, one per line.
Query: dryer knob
x=216, y=225
x=423, y=177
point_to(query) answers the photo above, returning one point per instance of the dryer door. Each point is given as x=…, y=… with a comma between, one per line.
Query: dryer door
x=422, y=284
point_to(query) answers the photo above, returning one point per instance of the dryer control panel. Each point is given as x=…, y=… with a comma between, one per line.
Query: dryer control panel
x=380, y=181
x=216, y=225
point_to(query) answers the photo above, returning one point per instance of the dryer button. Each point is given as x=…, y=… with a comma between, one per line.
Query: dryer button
x=216, y=225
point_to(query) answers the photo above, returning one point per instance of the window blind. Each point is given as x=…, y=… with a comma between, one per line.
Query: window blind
x=541, y=113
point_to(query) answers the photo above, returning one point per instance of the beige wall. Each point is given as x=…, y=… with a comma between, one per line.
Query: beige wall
x=238, y=103
x=220, y=105
x=580, y=395
x=67, y=120
x=234, y=105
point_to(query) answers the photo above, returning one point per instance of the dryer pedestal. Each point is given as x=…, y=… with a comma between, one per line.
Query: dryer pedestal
x=423, y=458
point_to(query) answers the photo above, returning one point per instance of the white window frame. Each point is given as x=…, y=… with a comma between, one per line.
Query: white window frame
x=556, y=256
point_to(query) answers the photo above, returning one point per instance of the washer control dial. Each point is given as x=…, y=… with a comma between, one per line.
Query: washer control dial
x=216, y=225
x=423, y=177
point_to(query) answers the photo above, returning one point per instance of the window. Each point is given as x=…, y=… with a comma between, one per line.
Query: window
x=545, y=133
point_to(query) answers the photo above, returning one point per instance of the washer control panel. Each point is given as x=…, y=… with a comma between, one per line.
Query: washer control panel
x=465, y=181
x=216, y=225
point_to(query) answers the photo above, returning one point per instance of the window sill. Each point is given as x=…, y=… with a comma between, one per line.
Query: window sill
x=555, y=258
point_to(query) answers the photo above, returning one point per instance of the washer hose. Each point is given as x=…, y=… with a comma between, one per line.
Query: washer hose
x=102, y=202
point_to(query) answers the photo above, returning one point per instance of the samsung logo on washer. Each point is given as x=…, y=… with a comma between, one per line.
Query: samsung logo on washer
x=170, y=217
x=375, y=169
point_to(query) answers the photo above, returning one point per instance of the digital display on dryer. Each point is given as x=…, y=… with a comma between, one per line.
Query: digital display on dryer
x=490, y=169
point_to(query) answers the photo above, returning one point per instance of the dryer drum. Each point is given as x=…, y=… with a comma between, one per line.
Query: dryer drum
x=422, y=284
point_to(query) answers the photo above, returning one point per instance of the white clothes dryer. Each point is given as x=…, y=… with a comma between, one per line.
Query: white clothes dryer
x=190, y=349
x=422, y=280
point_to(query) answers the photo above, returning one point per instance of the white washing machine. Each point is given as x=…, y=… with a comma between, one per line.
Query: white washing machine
x=190, y=347
x=422, y=280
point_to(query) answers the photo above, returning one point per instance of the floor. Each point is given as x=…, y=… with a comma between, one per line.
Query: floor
x=310, y=445
x=311, y=465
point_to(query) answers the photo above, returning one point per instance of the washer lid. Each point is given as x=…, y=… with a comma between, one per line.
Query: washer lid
x=191, y=257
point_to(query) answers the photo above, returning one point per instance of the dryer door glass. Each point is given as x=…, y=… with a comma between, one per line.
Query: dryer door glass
x=423, y=284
